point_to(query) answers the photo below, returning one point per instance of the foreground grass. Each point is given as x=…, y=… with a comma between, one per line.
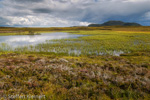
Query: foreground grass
x=66, y=77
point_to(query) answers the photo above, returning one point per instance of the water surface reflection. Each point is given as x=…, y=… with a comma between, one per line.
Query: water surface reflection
x=24, y=40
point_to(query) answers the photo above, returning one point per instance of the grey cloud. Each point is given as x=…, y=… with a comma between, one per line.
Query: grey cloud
x=104, y=10
x=75, y=11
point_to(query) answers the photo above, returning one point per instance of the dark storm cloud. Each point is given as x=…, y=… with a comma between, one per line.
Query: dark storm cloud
x=41, y=10
x=62, y=1
x=73, y=12
x=27, y=1
x=3, y=21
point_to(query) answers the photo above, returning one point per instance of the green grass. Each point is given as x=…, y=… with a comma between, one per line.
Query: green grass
x=96, y=42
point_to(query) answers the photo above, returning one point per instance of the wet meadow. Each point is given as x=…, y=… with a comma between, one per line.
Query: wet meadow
x=97, y=63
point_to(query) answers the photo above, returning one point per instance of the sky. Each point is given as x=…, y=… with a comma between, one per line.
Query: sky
x=65, y=13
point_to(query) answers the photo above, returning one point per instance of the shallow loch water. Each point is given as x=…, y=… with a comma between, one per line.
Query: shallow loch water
x=25, y=40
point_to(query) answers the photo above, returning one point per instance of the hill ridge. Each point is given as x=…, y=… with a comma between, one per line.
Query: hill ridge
x=115, y=23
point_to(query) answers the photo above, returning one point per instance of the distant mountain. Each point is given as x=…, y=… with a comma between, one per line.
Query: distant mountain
x=94, y=25
x=132, y=24
x=114, y=23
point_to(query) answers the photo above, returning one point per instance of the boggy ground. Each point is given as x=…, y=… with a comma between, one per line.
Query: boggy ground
x=76, y=78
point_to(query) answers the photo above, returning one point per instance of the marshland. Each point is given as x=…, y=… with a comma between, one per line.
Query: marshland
x=76, y=63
